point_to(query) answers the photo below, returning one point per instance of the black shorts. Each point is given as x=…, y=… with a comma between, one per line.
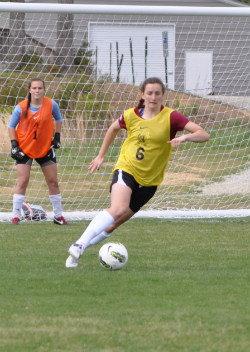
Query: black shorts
x=48, y=159
x=140, y=194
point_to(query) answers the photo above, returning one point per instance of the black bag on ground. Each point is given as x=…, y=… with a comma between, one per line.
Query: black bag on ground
x=33, y=212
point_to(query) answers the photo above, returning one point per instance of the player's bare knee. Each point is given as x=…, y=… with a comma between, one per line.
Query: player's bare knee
x=53, y=186
x=22, y=184
x=118, y=212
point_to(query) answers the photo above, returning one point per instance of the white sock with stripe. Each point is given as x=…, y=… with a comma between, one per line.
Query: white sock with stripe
x=56, y=201
x=102, y=221
x=18, y=200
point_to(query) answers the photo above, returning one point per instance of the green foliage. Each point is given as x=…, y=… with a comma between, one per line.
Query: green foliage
x=51, y=68
x=185, y=288
x=31, y=61
x=79, y=97
x=11, y=91
x=6, y=109
x=82, y=60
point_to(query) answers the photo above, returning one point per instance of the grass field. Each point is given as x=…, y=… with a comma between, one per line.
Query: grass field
x=185, y=288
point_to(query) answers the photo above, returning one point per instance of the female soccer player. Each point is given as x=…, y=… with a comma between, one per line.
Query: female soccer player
x=31, y=131
x=141, y=164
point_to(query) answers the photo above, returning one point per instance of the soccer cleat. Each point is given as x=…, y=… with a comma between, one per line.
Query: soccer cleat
x=60, y=221
x=15, y=221
x=71, y=262
x=75, y=251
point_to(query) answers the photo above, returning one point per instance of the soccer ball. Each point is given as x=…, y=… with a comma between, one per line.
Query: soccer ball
x=113, y=256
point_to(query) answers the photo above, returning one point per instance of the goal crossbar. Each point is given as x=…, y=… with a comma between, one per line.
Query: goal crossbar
x=124, y=9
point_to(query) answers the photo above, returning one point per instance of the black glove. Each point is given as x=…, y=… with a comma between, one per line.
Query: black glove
x=56, y=141
x=16, y=152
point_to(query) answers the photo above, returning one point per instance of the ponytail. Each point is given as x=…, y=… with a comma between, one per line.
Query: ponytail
x=141, y=103
x=27, y=107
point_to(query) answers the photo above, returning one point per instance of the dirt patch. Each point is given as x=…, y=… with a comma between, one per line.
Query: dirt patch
x=175, y=179
x=239, y=183
x=4, y=134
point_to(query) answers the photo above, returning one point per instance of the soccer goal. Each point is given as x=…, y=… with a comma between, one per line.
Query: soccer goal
x=93, y=59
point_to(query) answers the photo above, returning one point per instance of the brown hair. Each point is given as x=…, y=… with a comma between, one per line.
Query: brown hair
x=29, y=95
x=150, y=80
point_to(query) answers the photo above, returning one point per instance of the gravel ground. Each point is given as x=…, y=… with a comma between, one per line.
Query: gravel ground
x=239, y=183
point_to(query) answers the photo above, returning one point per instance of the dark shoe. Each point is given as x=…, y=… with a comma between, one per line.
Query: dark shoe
x=60, y=221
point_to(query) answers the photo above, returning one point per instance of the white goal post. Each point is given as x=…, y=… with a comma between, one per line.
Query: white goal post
x=93, y=59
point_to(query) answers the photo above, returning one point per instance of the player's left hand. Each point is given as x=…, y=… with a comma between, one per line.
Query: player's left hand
x=56, y=141
x=95, y=164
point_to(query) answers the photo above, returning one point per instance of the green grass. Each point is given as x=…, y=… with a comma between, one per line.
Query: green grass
x=185, y=288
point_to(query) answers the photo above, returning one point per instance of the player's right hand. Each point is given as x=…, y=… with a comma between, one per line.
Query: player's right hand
x=16, y=152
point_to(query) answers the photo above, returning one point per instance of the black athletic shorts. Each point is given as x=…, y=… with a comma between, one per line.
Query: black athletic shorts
x=140, y=194
x=48, y=159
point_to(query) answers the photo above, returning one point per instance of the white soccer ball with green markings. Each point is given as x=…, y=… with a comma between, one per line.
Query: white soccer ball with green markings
x=113, y=256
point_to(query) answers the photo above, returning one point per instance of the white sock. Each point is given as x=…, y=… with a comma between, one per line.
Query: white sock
x=18, y=200
x=56, y=201
x=102, y=236
x=102, y=221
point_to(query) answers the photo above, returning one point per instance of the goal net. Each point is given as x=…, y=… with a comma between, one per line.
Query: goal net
x=93, y=59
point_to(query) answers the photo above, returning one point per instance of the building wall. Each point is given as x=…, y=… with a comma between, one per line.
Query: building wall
x=228, y=38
